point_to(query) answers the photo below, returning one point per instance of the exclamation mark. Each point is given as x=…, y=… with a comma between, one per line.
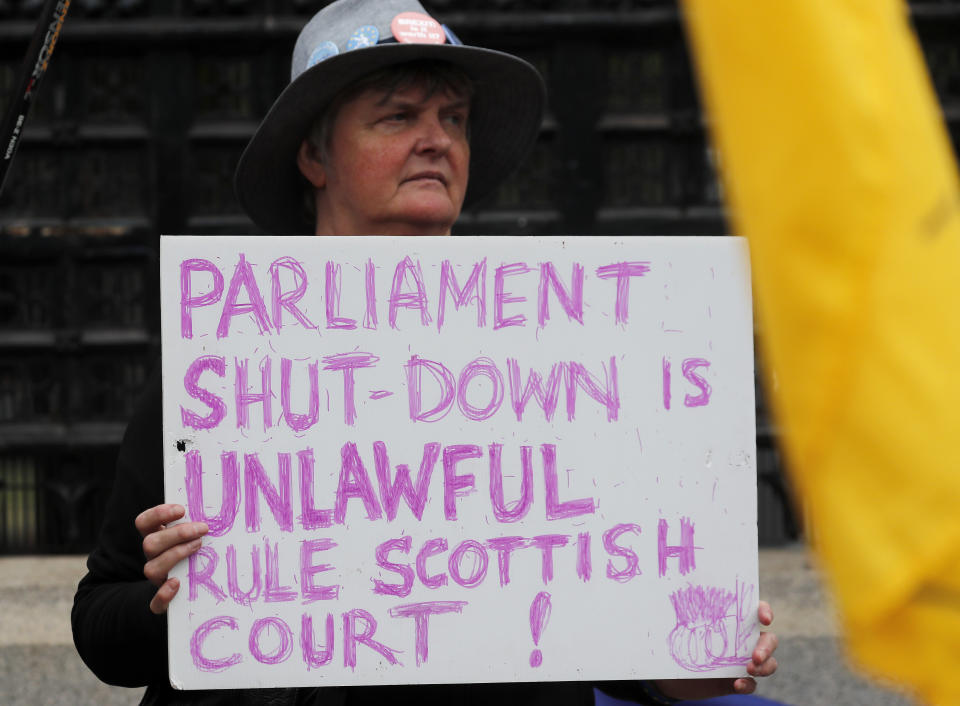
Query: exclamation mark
x=539, y=615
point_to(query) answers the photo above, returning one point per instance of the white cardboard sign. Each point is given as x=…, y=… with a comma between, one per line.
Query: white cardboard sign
x=440, y=460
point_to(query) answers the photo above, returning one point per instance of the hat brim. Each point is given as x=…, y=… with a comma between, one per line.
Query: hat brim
x=504, y=122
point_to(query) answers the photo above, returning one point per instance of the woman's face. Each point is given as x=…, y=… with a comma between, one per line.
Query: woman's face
x=394, y=165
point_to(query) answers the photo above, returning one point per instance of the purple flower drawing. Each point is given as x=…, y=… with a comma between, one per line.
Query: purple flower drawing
x=713, y=627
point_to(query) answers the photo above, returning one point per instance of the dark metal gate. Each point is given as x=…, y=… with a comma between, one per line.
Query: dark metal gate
x=138, y=127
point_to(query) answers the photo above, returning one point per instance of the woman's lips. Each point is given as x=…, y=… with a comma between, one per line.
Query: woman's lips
x=428, y=176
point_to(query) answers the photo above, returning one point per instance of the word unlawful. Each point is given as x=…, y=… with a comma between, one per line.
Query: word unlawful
x=290, y=294
x=355, y=484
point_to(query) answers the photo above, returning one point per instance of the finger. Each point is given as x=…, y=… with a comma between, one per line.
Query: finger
x=765, y=613
x=744, y=685
x=156, y=569
x=763, y=670
x=163, y=596
x=157, y=517
x=766, y=646
x=158, y=542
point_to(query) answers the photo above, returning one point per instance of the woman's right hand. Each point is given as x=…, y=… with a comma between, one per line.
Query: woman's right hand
x=164, y=546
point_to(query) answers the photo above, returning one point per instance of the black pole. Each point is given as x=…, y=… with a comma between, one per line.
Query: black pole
x=34, y=67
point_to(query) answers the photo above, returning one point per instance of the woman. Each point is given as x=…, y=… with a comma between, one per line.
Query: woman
x=389, y=126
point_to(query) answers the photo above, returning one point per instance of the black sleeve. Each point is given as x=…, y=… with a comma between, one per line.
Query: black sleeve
x=638, y=692
x=114, y=631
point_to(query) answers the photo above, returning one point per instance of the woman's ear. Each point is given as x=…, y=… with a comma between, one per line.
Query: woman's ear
x=310, y=164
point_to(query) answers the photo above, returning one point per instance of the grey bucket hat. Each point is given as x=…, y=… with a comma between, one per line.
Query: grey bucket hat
x=349, y=39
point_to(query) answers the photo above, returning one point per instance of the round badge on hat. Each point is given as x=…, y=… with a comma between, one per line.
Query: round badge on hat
x=324, y=50
x=417, y=28
x=366, y=36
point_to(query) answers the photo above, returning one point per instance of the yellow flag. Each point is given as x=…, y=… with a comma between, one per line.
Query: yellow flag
x=839, y=170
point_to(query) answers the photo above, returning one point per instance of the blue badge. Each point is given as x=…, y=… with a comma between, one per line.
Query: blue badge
x=451, y=37
x=366, y=36
x=323, y=51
